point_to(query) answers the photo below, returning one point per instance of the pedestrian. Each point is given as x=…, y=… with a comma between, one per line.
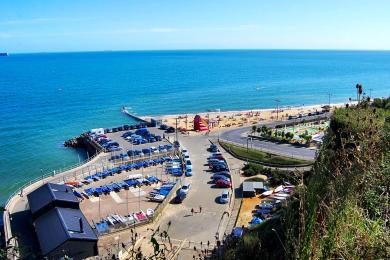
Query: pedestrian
x=200, y=209
x=192, y=211
x=208, y=243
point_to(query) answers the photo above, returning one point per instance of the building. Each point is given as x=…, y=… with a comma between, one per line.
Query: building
x=65, y=232
x=60, y=226
x=251, y=188
x=49, y=196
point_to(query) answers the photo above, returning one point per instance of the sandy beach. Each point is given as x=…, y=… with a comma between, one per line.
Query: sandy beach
x=231, y=119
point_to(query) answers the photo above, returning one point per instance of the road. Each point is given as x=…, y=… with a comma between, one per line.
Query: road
x=201, y=226
x=239, y=136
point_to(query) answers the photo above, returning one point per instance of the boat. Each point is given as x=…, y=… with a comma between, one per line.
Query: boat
x=4, y=54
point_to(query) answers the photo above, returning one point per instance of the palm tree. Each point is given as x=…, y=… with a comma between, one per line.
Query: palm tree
x=359, y=91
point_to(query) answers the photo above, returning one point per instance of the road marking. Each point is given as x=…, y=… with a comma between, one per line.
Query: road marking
x=138, y=192
x=115, y=197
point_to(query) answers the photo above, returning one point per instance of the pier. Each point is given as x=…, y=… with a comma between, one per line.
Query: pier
x=137, y=118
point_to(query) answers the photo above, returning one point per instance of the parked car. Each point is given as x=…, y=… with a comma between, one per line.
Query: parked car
x=179, y=197
x=219, y=168
x=185, y=188
x=170, y=130
x=220, y=177
x=189, y=172
x=185, y=153
x=223, y=184
x=226, y=174
x=213, y=148
x=224, y=198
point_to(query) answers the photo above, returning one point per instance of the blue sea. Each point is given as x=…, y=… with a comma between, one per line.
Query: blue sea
x=48, y=98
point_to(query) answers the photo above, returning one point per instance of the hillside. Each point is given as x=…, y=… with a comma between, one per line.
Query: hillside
x=341, y=209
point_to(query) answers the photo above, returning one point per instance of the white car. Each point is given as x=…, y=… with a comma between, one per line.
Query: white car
x=224, y=197
x=185, y=188
x=185, y=152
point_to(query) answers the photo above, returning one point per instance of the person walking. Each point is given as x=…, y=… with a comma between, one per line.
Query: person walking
x=192, y=211
x=200, y=209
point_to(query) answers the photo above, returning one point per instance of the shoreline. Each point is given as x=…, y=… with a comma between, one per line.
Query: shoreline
x=238, y=118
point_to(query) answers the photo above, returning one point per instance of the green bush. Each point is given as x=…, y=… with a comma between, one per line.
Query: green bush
x=252, y=169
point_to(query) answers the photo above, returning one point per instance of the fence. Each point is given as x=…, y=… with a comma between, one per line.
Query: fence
x=48, y=175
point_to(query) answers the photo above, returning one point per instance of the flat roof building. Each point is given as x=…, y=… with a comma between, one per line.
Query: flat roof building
x=250, y=188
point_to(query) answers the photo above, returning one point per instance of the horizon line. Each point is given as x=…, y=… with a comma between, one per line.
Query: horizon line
x=202, y=49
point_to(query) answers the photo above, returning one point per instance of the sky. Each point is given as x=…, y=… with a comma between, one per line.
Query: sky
x=96, y=25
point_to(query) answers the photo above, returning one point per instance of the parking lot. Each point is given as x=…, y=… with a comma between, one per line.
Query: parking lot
x=126, y=145
x=124, y=201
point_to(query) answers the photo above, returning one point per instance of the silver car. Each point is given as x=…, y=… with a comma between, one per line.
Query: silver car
x=224, y=197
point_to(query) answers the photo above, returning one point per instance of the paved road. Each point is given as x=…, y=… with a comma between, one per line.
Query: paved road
x=200, y=226
x=239, y=136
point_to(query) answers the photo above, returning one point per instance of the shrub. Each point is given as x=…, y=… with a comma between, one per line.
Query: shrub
x=252, y=169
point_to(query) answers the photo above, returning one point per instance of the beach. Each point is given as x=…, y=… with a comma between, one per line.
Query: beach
x=239, y=118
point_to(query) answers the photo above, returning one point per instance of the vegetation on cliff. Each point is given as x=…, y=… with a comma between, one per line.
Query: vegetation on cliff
x=341, y=209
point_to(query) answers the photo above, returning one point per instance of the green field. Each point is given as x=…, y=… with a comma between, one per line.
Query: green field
x=262, y=157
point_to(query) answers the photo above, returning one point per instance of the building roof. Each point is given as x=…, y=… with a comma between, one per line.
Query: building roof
x=258, y=185
x=49, y=193
x=59, y=225
x=251, y=186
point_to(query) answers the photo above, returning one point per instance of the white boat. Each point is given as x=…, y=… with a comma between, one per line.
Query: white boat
x=266, y=193
x=149, y=212
x=279, y=188
x=282, y=195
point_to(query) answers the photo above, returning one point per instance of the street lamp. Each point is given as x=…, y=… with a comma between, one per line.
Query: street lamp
x=277, y=108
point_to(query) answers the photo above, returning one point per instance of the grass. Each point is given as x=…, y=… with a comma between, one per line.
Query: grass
x=340, y=208
x=262, y=157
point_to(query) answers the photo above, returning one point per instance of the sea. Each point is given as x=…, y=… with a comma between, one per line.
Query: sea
x=47, y=98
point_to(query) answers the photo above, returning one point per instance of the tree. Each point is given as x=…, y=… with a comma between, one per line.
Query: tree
x=264, y=129
x=308, y=138
x=289, y=135
x=254, y=127
x=359, y=91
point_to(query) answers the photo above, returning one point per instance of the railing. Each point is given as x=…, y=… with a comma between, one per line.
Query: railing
x=47, y=175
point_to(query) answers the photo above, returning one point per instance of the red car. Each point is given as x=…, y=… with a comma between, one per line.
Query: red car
x=221, y=183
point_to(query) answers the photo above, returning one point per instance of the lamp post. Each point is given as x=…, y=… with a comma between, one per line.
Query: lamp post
x=277, y=108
